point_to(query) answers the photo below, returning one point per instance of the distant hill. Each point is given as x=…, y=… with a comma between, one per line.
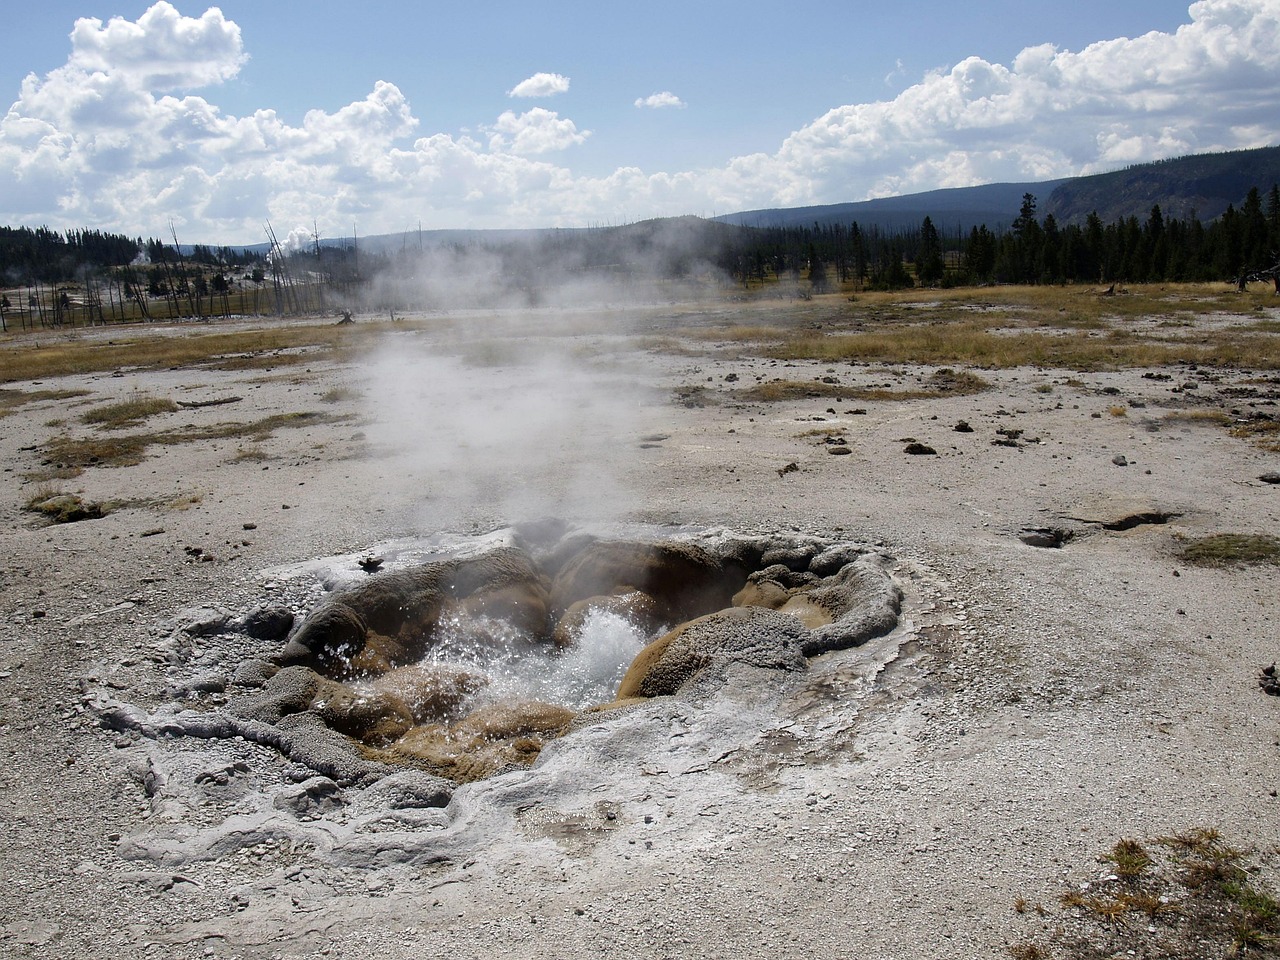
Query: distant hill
x=1203, y=184
x=995, y=204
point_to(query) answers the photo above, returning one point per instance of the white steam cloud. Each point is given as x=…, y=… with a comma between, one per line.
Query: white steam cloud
x=506, y=424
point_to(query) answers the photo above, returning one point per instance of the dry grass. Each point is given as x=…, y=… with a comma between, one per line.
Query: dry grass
x=1130, y=859
x=127, y=413
x=1264, y=433
x=11, y=399
x=66, y=453
x=75, y=453
x=971, y=343
x=1187, y=897
x=340, y=395
x=1060, y=327
x=942, y=383
x=1230, y=549
x=822, y=432
x=1208, y=417
x=33, y=357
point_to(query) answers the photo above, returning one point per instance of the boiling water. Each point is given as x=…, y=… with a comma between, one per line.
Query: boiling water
x=519, y=669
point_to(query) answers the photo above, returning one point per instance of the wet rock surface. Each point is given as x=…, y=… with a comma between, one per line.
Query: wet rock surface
x=371, y=663
x=357, y=742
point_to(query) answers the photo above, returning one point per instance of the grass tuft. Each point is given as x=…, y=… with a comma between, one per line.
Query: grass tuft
x=1263, y=432
x=58, y=506
x=1028, y=951
x=127, y=413
x=1196, y=894
x=1230, y=549
x=1130, y=859
x=340, y=395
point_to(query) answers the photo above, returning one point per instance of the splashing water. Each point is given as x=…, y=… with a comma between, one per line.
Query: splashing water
x=520, y=669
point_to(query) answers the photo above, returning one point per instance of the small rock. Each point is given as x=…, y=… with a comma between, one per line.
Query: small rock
x=254, y=673
x=310, y=798
x=1120, y=460
x=838, y=451
x=1268, y=682
x=1051, y=537
x=201, y=621
x=792, y=467
x=270, y=621
x=1271, y=476
x=963, y=427
x=920, y=449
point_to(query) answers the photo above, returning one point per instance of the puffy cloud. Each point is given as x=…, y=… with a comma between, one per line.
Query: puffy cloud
x=538, y=131
x=163, y=50
x=656, y=101
x=1213, y=84
x=540, y=85
x=116, y=137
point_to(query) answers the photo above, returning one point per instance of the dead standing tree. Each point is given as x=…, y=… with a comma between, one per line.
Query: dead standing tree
x=286, y=295
x=1271, y=273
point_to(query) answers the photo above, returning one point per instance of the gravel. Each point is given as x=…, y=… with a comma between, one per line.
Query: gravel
x=894, y=799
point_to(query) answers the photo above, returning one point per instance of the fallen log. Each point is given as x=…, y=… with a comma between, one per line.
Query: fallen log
x=192, y=404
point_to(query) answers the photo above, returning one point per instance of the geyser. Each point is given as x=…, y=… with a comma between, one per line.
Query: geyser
x=466, y=665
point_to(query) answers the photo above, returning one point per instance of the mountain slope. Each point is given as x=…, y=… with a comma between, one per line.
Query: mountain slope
x=995, y=204
x=1203, y=184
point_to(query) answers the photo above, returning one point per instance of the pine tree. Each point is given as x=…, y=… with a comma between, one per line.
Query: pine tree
x=930, y=267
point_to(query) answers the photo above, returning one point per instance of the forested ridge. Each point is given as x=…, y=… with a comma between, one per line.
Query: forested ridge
x=1033, y=250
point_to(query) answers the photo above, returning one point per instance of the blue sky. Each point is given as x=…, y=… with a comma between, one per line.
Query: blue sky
x=385, y=113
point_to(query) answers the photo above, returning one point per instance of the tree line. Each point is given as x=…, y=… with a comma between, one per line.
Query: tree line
x=1033, y=250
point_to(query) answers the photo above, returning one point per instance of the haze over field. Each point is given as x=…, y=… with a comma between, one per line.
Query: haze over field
x=219, y=119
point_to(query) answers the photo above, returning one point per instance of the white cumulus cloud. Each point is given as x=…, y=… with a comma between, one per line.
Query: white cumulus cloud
x=126, y=136
x=656, y=101
x=163, y=50
x=1213, y=84
x=540, y=85
x=537, y=131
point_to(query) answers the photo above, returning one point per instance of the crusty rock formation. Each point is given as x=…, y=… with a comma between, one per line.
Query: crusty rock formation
x=390, y=619
x=361, y=667
x=752, y=635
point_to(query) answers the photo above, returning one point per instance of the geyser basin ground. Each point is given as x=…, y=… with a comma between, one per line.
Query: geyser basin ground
x=1045, y=702
x=536, y=659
